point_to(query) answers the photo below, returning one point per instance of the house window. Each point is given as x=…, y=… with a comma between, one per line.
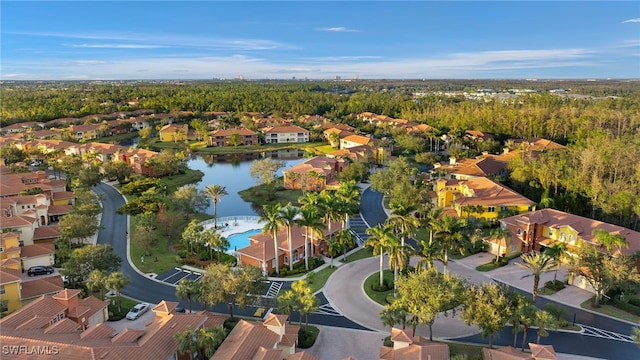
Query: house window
x=503, y=208
x=2, y=291
x=491, y=209
x=572, y=239
x=295, y=255
x=286, y=260
x=550, y=232
x=519, y=232
x=563, y=237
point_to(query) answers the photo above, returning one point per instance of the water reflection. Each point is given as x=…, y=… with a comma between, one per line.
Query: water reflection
x=233, y=172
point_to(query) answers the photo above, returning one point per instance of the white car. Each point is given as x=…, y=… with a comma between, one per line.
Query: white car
x=137, y=311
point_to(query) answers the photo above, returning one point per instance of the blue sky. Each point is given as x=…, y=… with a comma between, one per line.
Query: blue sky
x=84, y=40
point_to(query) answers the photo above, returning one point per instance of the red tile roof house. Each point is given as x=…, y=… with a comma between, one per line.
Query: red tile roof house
x=471, y=168
x=222, y=137
x=22, y=127
x=73, y=328
x=314, y=174
x=406, y=347
x=260, y=252
x=285, y=134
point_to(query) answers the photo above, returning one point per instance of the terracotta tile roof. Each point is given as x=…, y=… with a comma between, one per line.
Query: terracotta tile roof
x=584, y=226
x=66, y=294
x=543, y=352
x=6, y=263
x=43, y=306
x=505, y=353
x=406, y=347
x=41, y=286
x=213, y=319
x=62, y=195
x=358, y=139
x=303, y=355
x=16, y=221
x=285, y=129
x=34, y=250
x=488, y=193
x=128, y=336
x=267, y=354
x=63, y=326
x=276, y=320
x=229, y=132
x=9, y=275
x=99, y=331
x=244, y=341
x=165, y=307
x=46, y=232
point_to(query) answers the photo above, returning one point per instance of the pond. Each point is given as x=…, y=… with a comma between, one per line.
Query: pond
x=232, y=172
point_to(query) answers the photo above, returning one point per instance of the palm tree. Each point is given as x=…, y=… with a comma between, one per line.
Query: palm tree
x=187, y=342
x=331, y=209
x=500, y=234
x=96, y=281
x=313, y=224
x=116, y=281
x=398, y=258
x=427, y=216
x=427, y=252
x=537, y=263
x=451, y=234
x=310, y=199
x=609, y=240
x=187, y=289
x=288, y=216
x=402, y=218
x=273, y=221
x=307, y=302
x=349, y=195
x=544, y=321
x=216, y=192
x=345, y=239
x=558, y=252
x=379, y=242
x=209, y=340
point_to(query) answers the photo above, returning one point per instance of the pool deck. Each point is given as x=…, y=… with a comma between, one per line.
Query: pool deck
x=236, y=224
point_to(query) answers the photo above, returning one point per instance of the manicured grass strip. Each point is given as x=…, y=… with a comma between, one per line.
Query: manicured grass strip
x=127, y=304
x=161, y=250
x=379, y=297
x=358, y=255
x=611, y=311
x=320, y=278
x=487, y=267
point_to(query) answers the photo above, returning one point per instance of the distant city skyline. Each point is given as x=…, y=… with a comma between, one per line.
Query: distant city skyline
x=195, y=40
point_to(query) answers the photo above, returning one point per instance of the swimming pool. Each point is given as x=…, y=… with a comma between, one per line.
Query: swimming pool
x=238, y=241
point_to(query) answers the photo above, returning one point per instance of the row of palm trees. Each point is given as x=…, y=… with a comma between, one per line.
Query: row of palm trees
x=446, y=234
x=317, y=212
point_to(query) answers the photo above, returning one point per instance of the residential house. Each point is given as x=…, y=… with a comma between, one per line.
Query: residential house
x=10, y=289
x=174, y=132
x=486, y=166
x=314, y=174
x=334, y=135
x=538, y=230
x=22, y=127
x=534, y=144
x=260, y=251
x=285, y=134
x=538, y=352
x=379, y=152
x=271, y=339
x=84, y=132
x=481, y=198
x=406, y=347
x=478, y=135
x=357, y=154
x=233, y=137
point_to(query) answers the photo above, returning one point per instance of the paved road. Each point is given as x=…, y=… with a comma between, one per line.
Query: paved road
x=114, y=232
x=592, y=343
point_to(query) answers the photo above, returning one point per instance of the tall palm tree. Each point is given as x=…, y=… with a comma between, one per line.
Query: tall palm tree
x=209, y=340
x=116, y=281
x=398, y=259
x=345, y=239
x=216, y=192
x=349, y=195
x=428, y=252
x=537, y=263
x=187, y=289
x=273, y=221
x=379, y=241
x=331, y=209
x=609, y=240
x=500, y=234
x=187, y=341
x=427, y=215
x=96, y=281
x=288, y=215
x=544, y=320
x=402, y=218
x=451, y=234
x=313, y=225
x=558, y=252
x=310, y=199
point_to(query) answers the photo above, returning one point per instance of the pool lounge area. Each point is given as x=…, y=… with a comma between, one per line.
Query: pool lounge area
x=236, y=229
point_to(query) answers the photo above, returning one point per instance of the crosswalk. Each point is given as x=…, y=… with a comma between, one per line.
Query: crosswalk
x=327, y=309
x=595, y=332
x=274, y=289
x=358, y=228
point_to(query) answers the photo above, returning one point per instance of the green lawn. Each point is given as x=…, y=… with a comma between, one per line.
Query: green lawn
x=127, y=304
x=175, y=181
x=321, y=277
x=363, y=253
x=379, y=297
x=470, y=352
x=611, y=311
x=260, y=195
x=162, y=251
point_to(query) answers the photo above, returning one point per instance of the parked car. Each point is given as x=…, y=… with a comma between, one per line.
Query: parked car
x=40, y=270
x=137, y=311
x=180, y=309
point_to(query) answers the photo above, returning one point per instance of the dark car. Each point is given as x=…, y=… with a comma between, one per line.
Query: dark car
x=40, y=270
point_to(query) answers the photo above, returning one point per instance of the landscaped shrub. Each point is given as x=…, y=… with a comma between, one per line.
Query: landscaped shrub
x=183, y=253
x=557, y=286
x=230, y=323
x=626, y=306
x=386, y=286
x=307, y=336
x=559, y=312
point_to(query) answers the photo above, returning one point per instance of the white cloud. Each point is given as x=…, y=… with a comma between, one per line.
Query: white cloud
x=338, y=29
x=636, y=20
x=116, y=46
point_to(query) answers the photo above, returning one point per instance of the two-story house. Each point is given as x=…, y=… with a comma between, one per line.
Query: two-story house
x=285, y=134
x=233, y=137
x=174, y=132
